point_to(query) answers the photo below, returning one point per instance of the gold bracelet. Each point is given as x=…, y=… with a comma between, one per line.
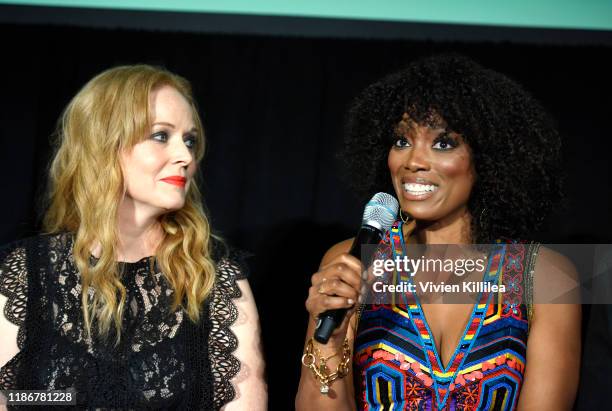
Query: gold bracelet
x=321, y=372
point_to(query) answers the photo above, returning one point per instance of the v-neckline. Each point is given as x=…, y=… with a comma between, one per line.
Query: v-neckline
x=438, y=350
x=430, y=335
x=473, y=325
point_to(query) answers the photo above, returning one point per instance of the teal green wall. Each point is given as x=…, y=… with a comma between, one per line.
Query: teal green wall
x=580, y=14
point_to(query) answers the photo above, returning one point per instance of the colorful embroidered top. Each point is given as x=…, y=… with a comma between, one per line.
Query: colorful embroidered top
x=396, y=362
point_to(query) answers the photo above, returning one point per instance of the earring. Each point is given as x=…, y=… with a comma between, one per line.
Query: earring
x=401, y=213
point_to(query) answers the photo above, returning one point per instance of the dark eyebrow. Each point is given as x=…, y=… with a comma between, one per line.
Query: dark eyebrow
x=446, y=133
x=443, y=132
x=163, y=123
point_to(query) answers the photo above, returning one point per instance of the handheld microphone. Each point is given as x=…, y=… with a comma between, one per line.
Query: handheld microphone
x=378, y=217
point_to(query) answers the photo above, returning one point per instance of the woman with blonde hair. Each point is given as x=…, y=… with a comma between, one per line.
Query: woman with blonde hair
x=127, y=300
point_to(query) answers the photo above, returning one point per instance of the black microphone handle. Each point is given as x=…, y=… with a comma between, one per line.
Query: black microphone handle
x=329, y=320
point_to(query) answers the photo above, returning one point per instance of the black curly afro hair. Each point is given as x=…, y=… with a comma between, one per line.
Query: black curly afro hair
x=515, y=147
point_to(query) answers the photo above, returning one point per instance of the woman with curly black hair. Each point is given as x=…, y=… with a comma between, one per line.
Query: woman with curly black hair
x=472, y=158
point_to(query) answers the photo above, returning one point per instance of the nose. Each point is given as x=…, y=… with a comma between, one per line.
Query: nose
x=181, y=153
x=417, y=158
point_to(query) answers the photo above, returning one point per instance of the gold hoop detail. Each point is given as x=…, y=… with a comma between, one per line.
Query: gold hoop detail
x=401, y=213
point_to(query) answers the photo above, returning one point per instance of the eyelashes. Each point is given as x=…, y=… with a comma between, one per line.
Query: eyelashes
x=191, y=141
x=401, y=143
x=444, y=142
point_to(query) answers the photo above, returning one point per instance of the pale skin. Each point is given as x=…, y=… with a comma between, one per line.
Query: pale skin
x=430, y=155
x=169, y=152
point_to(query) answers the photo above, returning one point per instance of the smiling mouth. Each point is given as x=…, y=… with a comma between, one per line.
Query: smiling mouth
x=416, y=189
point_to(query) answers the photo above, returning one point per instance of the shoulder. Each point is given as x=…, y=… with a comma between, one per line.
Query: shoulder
x=555, y=276
x=33, y=258
x=17, y=246
x=231, y=269
x=549, y=257
x=337, y=249
x=47, y=241
x=548, y=266
x=556, y=288
x=14, y=256
x=229, y=260
x=19, y=255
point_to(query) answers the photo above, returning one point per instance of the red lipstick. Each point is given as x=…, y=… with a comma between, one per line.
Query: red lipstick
x=176, y=180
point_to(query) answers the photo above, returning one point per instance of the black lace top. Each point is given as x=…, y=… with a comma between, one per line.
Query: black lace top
x=164, y=361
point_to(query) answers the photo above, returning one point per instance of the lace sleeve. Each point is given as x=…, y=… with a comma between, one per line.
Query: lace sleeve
x=13, y=286
x=222, y=341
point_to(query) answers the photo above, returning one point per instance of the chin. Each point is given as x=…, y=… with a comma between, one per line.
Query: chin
x=420, y=212
x=168, y=207
x=422, y=215
x=174, y=203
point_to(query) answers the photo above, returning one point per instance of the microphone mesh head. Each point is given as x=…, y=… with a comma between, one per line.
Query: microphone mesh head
x=381, y=211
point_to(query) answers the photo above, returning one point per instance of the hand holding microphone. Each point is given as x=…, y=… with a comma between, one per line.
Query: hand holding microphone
x=336, y=286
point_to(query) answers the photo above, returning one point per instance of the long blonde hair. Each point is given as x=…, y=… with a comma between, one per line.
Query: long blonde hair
x=108, y=115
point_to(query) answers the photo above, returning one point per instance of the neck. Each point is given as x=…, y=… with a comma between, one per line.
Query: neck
x=138, y=240
x=139, y=235
x=452, y=229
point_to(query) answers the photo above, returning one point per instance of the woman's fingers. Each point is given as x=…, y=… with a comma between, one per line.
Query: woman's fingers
x=316, y=304
x=343, y=267
x=337, y=287
x=346, y=260
x=318, y=298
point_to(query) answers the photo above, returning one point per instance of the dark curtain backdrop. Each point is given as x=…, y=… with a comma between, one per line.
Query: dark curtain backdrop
x=273, y=110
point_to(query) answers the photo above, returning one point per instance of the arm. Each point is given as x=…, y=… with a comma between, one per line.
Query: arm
x=12, y=311
x=250, y=385
x=342, y=279
x=8, y=343
x=553, y=347
x=8, y=336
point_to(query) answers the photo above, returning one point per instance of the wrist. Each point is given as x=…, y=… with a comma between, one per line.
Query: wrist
x=336, y=339
x=333, y=346
x=321, y=366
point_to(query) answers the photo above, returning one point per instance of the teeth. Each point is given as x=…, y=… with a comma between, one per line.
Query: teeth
x=414, y=188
